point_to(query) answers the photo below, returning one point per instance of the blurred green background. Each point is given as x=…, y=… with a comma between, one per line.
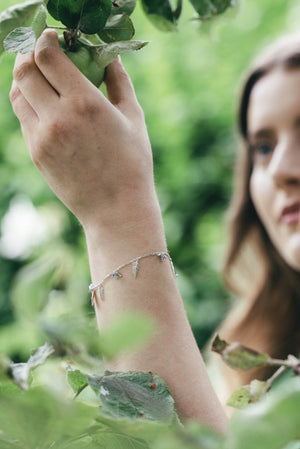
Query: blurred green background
x=188, y=84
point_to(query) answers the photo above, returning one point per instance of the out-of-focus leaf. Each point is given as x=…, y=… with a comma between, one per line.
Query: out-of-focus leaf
x=134, y=395
x=17, y=16
x=21, y=371
x=160, y=13
x=117, y=28
x=123, y=6
x=39, y=22
x=37, y=419
x=209, y=8
x=77, y=380
x=247, y=394
x=238, y=356
x=270, y=424
x=20, y=40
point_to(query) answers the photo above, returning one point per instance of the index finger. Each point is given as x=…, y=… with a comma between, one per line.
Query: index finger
x=57, y=68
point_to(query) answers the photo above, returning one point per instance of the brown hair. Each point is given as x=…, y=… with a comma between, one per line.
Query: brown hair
x=268, y=317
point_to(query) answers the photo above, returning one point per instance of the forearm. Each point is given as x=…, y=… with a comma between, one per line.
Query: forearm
x=95, y=154
x=172, y=352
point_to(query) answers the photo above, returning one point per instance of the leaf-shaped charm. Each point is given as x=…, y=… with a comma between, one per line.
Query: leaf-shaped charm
x=162, y=256
x=135, y=268
x=101, y=292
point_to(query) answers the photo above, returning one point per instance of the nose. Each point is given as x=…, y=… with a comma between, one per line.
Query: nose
x=285, y=163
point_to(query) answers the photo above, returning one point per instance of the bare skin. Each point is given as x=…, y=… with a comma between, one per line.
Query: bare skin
x=95, y=155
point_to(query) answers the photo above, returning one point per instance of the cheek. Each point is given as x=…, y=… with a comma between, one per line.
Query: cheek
x=261, y=195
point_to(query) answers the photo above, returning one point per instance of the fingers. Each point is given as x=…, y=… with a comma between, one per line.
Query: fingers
x=33, y=84
x=21, y=107
x=56, y=67
x=23, y=110
x=120, y=89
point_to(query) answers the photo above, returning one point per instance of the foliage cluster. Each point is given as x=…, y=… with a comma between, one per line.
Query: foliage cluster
x=192, y=75
x=62, y=398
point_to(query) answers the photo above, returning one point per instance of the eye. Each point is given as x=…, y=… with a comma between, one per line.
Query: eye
x=261, y=150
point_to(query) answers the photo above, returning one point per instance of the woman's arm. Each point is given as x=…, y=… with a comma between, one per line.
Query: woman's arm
x=95, y=155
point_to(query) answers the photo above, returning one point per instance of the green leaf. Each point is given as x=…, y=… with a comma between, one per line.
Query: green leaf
x=52, y=6
x=20, y=40
x=209, y=8
x=271, y=423
x=21, y=371
x=248, y=394
x=124, y=6
x=104, y=54
x=238, y=356
x=117, y=28
x=77, y=380
x=177, y=11
x=134, y=395
x=128, y=331
x=37, y=419
x=17, y=16
x=89, y=16
x=160, y=13
x=39, y=23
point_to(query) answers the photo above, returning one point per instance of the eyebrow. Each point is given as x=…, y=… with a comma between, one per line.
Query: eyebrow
x=264, y=132
x=268, y=132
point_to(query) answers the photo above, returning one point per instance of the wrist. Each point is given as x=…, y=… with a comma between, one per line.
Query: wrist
x=132, y=233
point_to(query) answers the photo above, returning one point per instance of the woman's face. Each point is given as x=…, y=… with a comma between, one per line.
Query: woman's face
x=274, y=135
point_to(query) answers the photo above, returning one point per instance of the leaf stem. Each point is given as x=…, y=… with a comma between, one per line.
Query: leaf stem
x=290, y=362
x=54, y=27
x=274, y=377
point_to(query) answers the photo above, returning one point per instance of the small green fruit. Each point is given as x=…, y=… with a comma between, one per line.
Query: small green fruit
x=82, y=57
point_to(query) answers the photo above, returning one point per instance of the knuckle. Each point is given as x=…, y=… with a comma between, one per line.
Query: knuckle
x=86, y=105
x=14, y=94
x=23, y=70
x=44, y=54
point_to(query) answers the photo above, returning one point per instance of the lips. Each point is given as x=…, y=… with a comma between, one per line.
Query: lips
x=291, y=214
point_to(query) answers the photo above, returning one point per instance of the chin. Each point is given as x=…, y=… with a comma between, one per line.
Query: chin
x=291, y=253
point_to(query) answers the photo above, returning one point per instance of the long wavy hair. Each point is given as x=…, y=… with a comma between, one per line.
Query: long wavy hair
x=267, y=317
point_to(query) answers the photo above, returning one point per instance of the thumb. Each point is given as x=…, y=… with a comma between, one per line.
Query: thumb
x=120, y=89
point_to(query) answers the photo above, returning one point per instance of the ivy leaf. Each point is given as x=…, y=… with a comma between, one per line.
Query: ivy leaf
x=239, y=357
x=160, y=13
x=21, y=371
x=20, y=40
x=17, y=16
x=209, y=8
x=117, y=28
x=124, y=6
x=134, y=395
x=104, y=54
x=89, y=16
